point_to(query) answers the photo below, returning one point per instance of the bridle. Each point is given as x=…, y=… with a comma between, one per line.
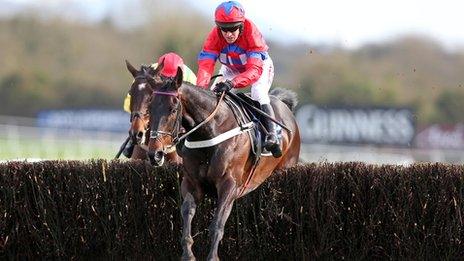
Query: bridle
x=175, y=130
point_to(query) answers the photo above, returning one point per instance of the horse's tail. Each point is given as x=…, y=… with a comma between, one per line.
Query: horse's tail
x=286, y=96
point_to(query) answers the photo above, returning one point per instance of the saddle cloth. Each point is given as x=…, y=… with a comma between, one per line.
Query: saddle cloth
x=244, y=114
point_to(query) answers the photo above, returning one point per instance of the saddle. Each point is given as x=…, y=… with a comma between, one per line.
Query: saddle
x=243, y=114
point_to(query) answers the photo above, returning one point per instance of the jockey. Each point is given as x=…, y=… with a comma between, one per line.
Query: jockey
x=171, y=62
x=242, y=51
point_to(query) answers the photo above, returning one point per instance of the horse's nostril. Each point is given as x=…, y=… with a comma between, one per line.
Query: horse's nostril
x=139, y=135
x=156, y=157
x=159, y=154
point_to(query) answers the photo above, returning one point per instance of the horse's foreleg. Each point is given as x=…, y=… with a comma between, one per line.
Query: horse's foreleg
x=226, y=197
x=187, y=211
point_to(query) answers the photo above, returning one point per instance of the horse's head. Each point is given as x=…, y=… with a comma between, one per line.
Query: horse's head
x=165, y=119
x=146, y=80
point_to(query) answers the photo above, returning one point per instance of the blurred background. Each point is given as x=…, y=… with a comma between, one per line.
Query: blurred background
x=379, y=82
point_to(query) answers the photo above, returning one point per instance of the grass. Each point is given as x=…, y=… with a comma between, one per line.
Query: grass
x=57, y=149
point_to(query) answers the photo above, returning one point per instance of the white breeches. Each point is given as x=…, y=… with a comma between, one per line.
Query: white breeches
x=259, y=89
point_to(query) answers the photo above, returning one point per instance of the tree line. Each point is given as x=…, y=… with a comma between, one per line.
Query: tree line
x=54, y=64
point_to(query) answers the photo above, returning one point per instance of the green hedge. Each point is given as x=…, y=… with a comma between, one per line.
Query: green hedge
x=114, y=209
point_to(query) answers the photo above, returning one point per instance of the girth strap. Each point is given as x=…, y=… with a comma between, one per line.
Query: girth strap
x=220, y=138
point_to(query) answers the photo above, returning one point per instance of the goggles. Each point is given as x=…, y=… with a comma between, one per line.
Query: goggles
x=229, y=29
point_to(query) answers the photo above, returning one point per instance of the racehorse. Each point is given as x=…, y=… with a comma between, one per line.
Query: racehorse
x=146, y=80
x=226, y=168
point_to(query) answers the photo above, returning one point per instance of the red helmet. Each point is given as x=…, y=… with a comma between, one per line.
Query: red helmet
x=171, y=62
x=229, y=14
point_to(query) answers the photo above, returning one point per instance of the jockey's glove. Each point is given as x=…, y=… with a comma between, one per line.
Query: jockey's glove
x=223, y=86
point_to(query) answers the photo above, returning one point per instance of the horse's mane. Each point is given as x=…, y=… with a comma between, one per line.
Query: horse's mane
x=189, y=89
x=286, y=96
x=147, y=69
x=194, y=88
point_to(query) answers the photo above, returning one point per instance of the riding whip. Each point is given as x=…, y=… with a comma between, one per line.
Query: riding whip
x=122, y=147
x=259, y=111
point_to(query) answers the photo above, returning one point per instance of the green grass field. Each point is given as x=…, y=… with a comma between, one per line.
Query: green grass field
x=57, y=149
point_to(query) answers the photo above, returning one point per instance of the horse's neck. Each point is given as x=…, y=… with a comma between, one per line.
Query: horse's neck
x=196, y=102
x=198, y=105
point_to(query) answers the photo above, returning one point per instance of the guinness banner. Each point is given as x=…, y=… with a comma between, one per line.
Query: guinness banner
x=383, y=126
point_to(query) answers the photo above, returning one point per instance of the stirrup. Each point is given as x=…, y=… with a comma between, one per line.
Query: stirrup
x=272, y=144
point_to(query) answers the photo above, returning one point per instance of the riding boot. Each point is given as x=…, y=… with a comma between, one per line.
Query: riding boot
x=128, y=149
x=271, y=142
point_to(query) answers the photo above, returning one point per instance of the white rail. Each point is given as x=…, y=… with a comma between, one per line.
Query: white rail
x=19, y=140
x=24, y=142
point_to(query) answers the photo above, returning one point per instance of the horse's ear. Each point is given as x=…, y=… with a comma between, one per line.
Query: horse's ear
x=179, y=77
x=131, y=69
x=159, y=67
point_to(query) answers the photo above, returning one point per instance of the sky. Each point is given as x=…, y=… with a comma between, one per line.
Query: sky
x=349, y=24
x=354, y=22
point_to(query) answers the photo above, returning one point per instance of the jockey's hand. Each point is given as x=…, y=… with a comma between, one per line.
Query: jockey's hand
x=223, y=86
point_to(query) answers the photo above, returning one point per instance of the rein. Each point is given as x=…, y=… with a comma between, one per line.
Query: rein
x=178, y=139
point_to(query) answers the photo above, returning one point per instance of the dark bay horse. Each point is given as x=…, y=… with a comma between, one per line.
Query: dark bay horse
x=146, y=80
x=227, y=167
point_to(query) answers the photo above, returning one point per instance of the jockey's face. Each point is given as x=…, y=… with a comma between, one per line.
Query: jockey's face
x=231, y=36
